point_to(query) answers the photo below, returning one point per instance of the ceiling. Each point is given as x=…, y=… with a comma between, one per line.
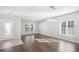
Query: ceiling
x=37, y=13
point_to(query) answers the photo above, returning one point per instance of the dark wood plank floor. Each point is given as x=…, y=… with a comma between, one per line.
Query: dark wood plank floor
x=44, y=44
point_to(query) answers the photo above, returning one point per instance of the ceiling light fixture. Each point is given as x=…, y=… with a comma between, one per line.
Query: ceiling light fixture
x=51, y=20
x=7, y=12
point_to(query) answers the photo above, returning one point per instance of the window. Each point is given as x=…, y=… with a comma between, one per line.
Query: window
x=28, y=27
x=8, y=28
x=70, y=27
x=67, y=27
x=63, y=27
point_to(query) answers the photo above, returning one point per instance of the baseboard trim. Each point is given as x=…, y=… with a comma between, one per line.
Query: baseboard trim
x=59, y=38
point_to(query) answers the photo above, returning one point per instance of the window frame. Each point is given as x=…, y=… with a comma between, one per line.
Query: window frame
x=8, y=28
x=67, y=28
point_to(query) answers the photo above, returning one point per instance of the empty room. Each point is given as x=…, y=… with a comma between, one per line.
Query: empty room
x=39, y=28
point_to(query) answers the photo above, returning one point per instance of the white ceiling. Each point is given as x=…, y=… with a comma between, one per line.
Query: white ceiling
x=37, y=13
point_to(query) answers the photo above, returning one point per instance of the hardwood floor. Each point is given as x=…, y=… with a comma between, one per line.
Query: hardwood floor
x=42, y=43
x=18, y=48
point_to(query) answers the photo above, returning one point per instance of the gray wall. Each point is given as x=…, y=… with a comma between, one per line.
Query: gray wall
x=35, y=27
x=53, y=28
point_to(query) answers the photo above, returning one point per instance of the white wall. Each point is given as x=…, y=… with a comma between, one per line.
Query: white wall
x=53, y=28
x=35, y=27
x=16, y=27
